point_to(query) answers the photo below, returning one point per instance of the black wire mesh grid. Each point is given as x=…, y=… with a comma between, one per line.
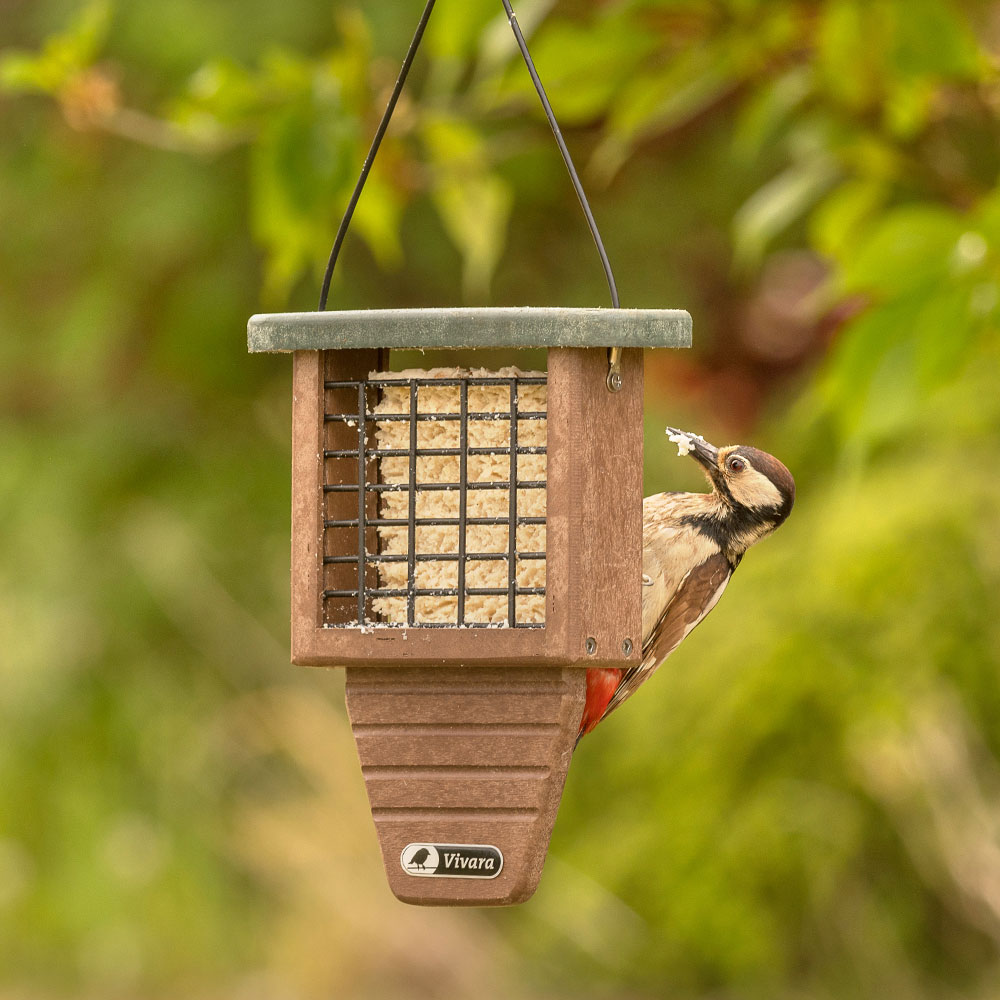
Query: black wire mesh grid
x=354, y=541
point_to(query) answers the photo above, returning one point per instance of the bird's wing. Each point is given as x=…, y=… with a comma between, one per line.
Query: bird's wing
x=697, y=594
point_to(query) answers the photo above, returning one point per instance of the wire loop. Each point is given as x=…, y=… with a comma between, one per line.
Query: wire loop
x=384, y=124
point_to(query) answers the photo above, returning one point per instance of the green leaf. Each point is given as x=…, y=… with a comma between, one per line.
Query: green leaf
x=473, y=202
x=582, y=66
x=222, y=89
x=378, y=218
x=62, y=57
x=656, y=100
x=21, y=72
x=935, y=290
x=909, y=248
x=779, y=203
x=851, y=42
x=932, y=37
x=496, y=43
x=768, y=110
x=872, y=52
x=837, y=221
x=301, y=163
x=475, y=212
x=943, y=331
x=875, y=347
x=987, y=216
x=664, y=97
x=908, y=106
x=81, y=43
x=456, y=35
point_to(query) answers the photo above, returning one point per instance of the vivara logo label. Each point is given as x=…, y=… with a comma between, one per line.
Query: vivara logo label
x=451, y=860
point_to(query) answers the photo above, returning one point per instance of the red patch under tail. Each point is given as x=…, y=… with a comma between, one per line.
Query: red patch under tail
x=602, y=682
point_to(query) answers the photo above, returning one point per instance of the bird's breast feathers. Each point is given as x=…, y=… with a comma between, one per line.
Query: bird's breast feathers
x=670, y=551
x=671, y=611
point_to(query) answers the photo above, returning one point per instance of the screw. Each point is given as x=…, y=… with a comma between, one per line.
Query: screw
x=627, y=647
x=615, y=381
x=590, y=645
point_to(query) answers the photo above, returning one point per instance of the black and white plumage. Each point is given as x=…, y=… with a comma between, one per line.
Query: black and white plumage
x=692, y=544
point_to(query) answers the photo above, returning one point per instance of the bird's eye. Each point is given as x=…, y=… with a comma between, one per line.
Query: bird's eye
x=735, y=464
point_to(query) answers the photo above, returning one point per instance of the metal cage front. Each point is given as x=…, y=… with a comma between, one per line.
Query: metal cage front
x=435, y=512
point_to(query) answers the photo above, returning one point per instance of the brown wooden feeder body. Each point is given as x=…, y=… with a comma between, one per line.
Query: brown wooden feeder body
x=465, y=733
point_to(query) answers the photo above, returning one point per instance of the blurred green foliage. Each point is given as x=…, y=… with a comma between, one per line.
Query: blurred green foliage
x=806, y=801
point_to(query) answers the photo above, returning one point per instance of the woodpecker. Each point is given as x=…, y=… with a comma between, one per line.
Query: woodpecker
x=691, y=545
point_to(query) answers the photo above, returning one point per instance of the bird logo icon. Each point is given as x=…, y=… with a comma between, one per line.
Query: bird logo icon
x=420, y=858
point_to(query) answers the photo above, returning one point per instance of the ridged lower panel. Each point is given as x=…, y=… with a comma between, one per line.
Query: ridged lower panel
x=465, y=756
x=417, y=787
x=496, y=747
x=383, y=707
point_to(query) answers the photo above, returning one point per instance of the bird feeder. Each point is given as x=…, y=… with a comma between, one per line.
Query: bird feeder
x=465, y=542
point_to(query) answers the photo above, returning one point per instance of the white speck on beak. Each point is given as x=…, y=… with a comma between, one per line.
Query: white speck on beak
x=684, y=442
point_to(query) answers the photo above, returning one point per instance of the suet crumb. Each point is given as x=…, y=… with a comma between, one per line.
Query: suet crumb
x=684, y=442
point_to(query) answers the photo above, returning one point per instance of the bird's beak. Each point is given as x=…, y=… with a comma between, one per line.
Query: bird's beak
x=707, y=455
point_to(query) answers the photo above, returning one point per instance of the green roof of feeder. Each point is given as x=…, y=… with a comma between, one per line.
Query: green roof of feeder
x=462, y=328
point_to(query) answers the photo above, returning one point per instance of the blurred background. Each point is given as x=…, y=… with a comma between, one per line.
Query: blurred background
x=806, y=802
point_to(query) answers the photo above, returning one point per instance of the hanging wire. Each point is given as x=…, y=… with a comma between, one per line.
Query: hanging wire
x=384, y=124
x=370, y=158
x=561, y=143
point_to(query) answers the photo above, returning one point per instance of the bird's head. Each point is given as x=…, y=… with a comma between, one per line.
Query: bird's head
x=755, y=492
